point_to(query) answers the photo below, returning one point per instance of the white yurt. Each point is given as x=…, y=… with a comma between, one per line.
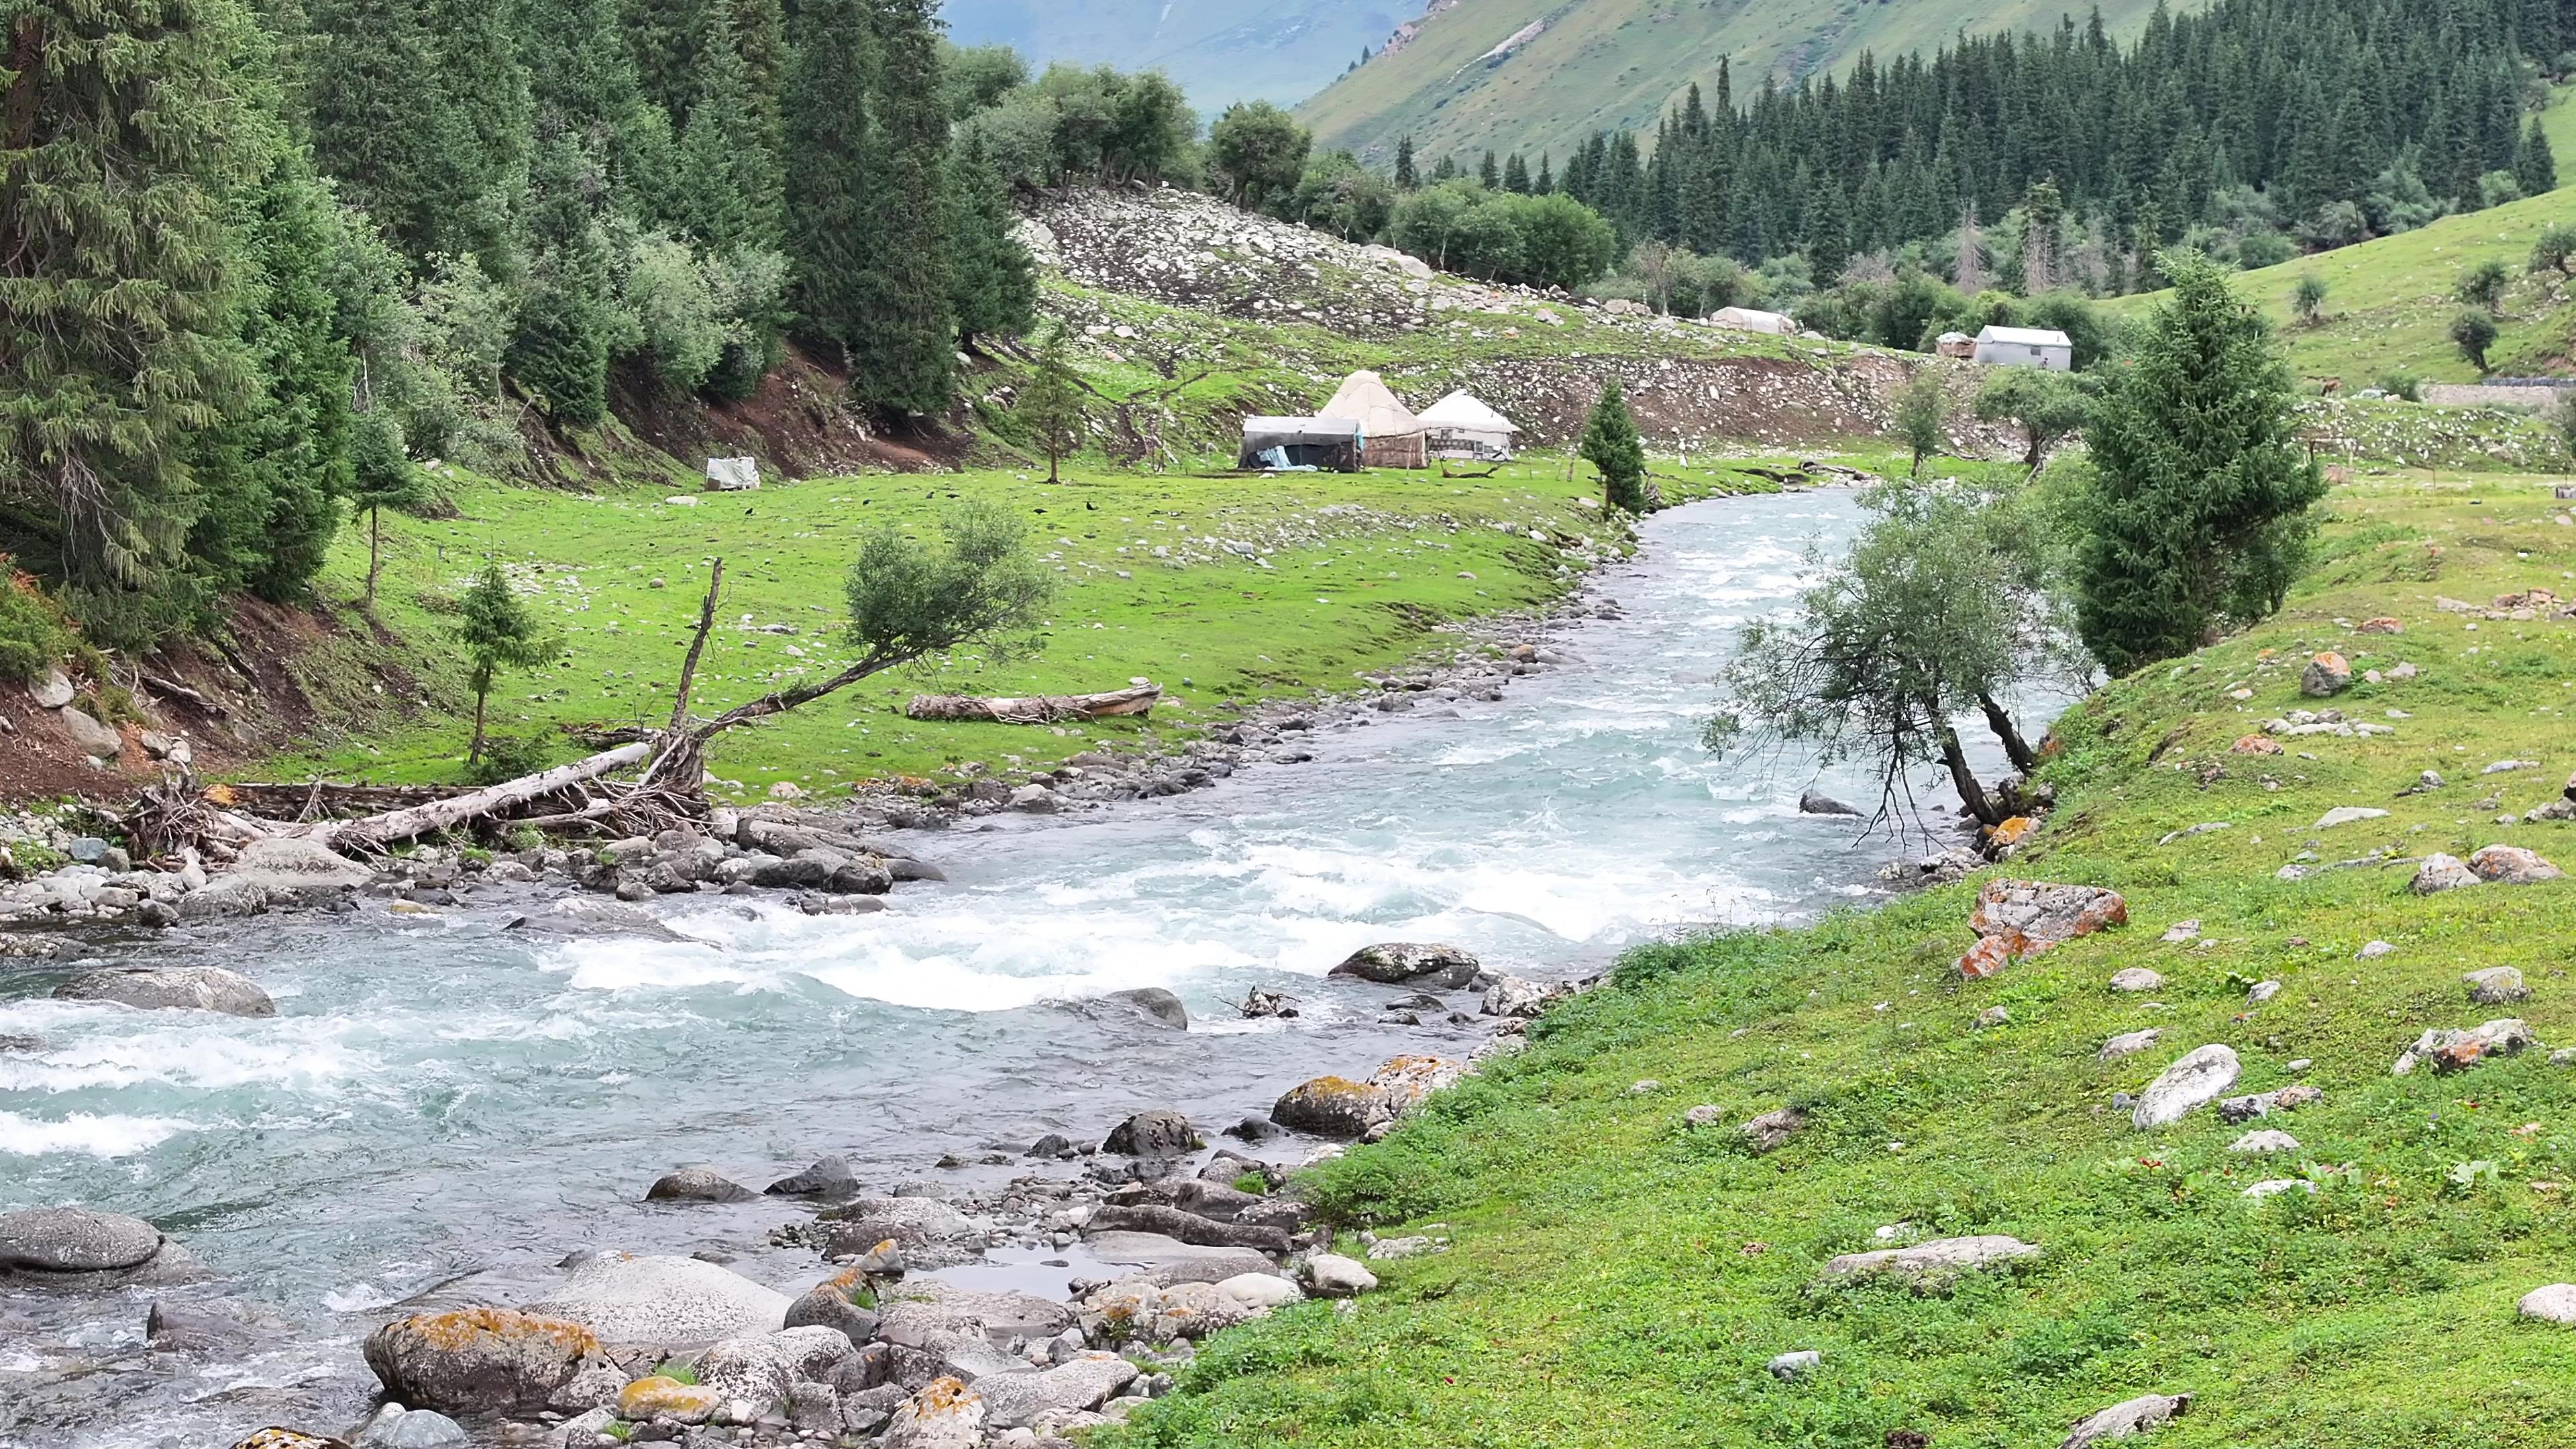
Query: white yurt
x=1393, y=434
x=1462, y=426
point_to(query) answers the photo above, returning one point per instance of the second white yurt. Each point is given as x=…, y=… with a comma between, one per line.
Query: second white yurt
x=1462, y=426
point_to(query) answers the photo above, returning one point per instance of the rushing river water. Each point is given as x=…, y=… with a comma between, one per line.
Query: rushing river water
x=440, y=1108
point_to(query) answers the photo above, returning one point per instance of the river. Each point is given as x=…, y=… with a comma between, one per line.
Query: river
x=440, y=1106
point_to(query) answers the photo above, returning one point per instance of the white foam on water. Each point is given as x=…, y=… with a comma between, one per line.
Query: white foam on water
x=85, y=1133
x=196, y=1052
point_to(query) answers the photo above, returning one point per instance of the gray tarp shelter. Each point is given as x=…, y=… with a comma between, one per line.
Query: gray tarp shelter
x=1330, y=444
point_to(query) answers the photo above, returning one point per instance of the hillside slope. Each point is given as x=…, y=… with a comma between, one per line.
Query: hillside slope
x=1220, y=51
x=1607, y=64
x=1619, y=1277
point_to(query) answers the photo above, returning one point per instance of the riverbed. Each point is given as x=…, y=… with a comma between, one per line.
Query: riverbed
x=440, y=1108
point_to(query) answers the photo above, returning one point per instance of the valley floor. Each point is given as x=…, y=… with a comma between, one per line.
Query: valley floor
x=1618, y=1277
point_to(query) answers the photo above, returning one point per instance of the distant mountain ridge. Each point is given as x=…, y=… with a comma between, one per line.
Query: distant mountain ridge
x=1543, y=75
x=1220, y=51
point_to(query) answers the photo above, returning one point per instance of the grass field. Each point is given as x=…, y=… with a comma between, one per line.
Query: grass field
x=1618, y=1279
x=1224, y=590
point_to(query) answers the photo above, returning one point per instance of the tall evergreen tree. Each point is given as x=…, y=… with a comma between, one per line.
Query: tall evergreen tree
x=732, y=188
x=115, y=338
x=1487, y=174
x=1516, y=175
x=1405, y=178
x=1610, y=443
x=830, y=151
x=1050, y=405
x=992, y=282
x=2198, y=512
x=560, y=346
x=2535, y=167
x=903, y=353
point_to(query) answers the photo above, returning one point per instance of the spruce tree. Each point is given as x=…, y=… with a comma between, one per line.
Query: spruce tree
x=1487, y=174
x=732, y=191
x=1611, y=444
x=903, y=352
x=2197, y=513
x=1050, y=404
x=381, y=477
x=830, y=149
x=497, y=631
x=1405, y=178
x=1516, y=175
x=992, y=282
x=2535, y=168
x=560, y=346
x=115, y=338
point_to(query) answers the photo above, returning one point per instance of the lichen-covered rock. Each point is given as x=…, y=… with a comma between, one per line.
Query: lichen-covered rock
x=833, y=1303
x=759, y=1368
x=1514, y=996
x=1430, y=966
x=2496, y=986
x=171, y=988
x=1158, y=1132
x=75, y=1240
x=1078, y=1385
x=2136, y=978
x=1772, y=1129
x=478, y=1360
x=2326, y=675
x=944, y=1415
x=2457, y=1049
x=661, y=1299
x=1330, y=1275
x=2512, y=865
x=277, y=1436
x=2437, y=873
x=2125, y=1420
x=2016, y=919
x=1340, y=1108
x=1927, y=1266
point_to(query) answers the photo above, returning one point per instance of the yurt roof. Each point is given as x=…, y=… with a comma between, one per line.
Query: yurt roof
x=1466, y=410
x=1364, y=397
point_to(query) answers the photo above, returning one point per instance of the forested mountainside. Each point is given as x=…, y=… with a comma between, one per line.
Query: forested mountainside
x=1543, y=75
x=1220, y=51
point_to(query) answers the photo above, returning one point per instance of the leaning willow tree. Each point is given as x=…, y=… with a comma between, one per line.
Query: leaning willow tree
x=1942, y=607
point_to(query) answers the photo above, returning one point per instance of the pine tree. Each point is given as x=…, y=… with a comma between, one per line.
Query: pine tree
x=732, y=189
x=1050, y=405
x=1516, y=175
x=497, y=631
x=903, y=352
x=1405, y=179
x=560, y=347
x=2535, y=168
x=1828, y=237
x=115, y=338
x=829, y=153
x=2198, y=512
x=1546, y=183
x=1611, y=444
x=1487, y=174
x=992, y=282
x=1446, y=170
x=382, y=477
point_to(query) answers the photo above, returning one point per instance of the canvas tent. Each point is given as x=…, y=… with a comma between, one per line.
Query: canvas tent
x=1329, y=444
x=1460, y=426
x=1391, y=436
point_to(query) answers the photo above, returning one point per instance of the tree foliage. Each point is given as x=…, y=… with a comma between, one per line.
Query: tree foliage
x=496, y=631
x=2047, y=406
x=2198, y=517
x=910, y=600
x=1611, y=445
x=1923, y=415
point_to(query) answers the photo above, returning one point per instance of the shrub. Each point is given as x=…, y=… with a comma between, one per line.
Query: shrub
x=507, y=758
x=2483, y=284
x=32, y=634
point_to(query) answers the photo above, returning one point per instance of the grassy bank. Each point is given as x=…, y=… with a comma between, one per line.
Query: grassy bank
x=1619, y=1279
x=1227, y=591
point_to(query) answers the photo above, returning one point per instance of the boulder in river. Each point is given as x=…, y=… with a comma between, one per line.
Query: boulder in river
x=1154, y=1133
x=186, y=988
x=697, y=1184
x=931, y=1233
x=661, y=1300
x=590, y=916
x=291, y=870
x=834, y=1303
x=827, y=1177
x=478, y=1360
x=1155, y=1005
x=1430, y=966
x=75, y=1240
x=1813, y=802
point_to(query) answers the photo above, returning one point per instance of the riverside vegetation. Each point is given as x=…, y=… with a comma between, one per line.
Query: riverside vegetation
x=1619, y=1275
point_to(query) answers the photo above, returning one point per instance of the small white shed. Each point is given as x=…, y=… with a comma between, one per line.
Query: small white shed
x=2026, y=347
x=1748, y=319
x=1463, y=427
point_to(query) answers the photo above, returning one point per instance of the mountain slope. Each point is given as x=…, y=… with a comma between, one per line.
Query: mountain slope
x=1607, y=64
x=1220, y=51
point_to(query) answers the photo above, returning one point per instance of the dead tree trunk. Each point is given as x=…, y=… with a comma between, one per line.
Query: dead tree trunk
x=2000, y=720
x=380, y=830
x=1962, y=778
x=1037, y=709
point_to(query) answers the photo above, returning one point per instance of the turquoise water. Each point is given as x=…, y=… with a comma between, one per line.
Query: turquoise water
x=441, y=1108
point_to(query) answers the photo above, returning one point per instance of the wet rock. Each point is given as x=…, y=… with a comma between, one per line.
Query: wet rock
x=826, y=1177
x=395, y=1427
x=2129, y=1419
x=295, y=871
x=478, y=1360
x=75, y=1240
x=2457, y=1050
x=1330, y=1275
x=2512, y=865
x=916, y=1310
x=1928, y=1266
x=1258, y=1003
x=279, y=1437
x=2196, y=1079
x=661, y=1299
x=1155, y=1005
x=35, y=946
x=2326, y=675
x=2438, y=872
x=833, y=1303
x=217, y=1325
x=1772, y=1129
x=1187, y=1227
x=171, y=988
x=697, y=1184
x=930, y=1232
x=1254, y=1130
x=590, y=916
x=1811, y=802
x=1078, y=1385
x=2496, y=986
x=1433, y=967
x=1155, y=1133
x=1053, y=1145
x=2555, y=1303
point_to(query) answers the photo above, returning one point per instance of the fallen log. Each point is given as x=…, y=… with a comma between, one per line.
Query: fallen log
x=436, y=815
x=1036, y=709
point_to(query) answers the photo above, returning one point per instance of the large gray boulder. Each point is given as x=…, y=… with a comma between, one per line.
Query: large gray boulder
x=945, y=1414
x=1015, y=1400
x=478, y=1360
x=2196, y=1079
x=1155, y=1005
x=758, y=1368
x=296, y=871
x=591, y=916
x=2128, y=1419
x=1169, y=1260
x=931, y=1232
x=697, y=1184
x=1430, y=966
x=395, y=1427
x=1157, y=1132
x=1929, y=1265
x=662, y=1300
x=75, y=1240
x=163, y=988
x=916, y=1311
x=1189, y=1227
